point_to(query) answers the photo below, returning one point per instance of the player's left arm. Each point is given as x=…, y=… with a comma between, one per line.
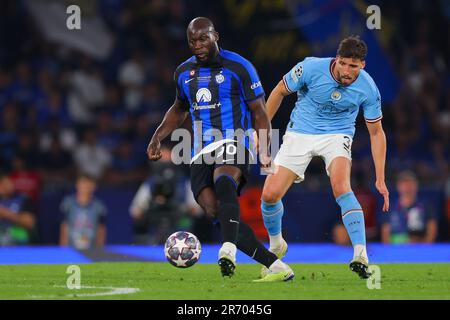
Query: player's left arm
x=253, y=93
x=262, y=127
x=378, y=146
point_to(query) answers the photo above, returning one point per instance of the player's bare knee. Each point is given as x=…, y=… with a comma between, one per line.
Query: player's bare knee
x=271, y=195
x=210, y=210
x=340, y=187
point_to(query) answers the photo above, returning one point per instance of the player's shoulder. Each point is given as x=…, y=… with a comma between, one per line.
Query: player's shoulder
x=184, y=66
x=233, y=59
x=367, y=82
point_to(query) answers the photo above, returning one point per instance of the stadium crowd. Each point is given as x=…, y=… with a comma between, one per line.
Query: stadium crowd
x=63, y=112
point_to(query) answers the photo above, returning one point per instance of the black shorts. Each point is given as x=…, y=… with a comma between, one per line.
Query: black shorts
x=229, y=154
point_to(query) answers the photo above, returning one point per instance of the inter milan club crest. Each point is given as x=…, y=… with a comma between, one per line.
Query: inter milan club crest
x=220, y=78
x=336, y=95
x=192, y=73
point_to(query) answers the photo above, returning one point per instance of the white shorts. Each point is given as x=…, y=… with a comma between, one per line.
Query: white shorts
x=298, y=149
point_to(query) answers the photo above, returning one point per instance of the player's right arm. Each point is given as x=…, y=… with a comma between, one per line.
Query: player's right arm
x=276, y=97
x=291, y=82
x=173, y=118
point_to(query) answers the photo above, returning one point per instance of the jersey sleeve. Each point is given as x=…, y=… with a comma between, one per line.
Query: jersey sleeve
x=180, y=94
x=251, y=84
x=372, y=106
x=296, y=77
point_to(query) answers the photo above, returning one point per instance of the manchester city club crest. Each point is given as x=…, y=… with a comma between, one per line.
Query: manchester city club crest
x=220, y=78
x=336, y=95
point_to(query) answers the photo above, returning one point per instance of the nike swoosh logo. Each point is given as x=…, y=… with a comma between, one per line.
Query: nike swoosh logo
x=186, y=81
x=231, y=220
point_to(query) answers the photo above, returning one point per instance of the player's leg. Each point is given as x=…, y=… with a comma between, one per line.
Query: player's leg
x=246, y=240
x=291, y=161
x=275, y=187
x=226, y=180
x=237, y=234
x=352, y=213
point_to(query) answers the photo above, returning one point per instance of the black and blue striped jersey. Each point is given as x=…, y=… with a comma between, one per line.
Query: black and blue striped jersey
x=217, y=96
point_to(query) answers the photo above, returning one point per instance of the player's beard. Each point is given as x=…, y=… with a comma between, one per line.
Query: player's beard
x=211, y=55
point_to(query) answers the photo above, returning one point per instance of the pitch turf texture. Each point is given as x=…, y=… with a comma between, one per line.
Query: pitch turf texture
x=203, y=281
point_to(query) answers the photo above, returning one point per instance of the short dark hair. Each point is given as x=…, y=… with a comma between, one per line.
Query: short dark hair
x=407, y=175
x=87, y=176
x=352, y=47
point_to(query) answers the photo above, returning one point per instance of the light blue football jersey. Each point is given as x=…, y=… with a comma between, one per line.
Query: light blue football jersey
x=324, y=106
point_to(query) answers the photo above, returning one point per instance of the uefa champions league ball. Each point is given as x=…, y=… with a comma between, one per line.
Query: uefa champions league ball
x=182, y=249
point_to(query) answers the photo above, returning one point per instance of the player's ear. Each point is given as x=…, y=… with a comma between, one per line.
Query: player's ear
x=216, y=36
x=363, y=64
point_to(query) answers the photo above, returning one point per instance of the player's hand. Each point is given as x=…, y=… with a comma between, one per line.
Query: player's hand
x=255, y=138
x=383, y=190
x=266, y=164
x=154, y=150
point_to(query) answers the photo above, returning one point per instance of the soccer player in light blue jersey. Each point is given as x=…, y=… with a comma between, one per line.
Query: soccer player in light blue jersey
x=330, y=93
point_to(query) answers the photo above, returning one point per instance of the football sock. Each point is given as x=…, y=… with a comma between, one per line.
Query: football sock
x=249, y=245
x=228, y=208
x=229, y=249
x=278, y=266
x=353, y=219
x=272, y=214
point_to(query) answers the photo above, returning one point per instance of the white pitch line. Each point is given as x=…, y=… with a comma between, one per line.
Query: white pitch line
x=113, y=291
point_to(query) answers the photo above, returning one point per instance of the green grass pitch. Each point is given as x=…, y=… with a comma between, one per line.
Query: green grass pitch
x=203, y=281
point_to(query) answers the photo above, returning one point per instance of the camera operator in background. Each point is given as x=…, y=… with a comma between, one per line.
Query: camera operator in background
x=161, y=204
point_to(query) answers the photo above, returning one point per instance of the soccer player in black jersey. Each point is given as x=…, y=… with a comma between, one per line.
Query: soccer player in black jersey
x=222, y=93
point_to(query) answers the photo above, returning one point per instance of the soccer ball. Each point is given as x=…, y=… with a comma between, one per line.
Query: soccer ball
x=182, y=249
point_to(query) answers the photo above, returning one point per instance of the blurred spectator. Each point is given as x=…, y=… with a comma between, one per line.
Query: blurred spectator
x=90, y=157
x=160, y=202
x=84, y=217
x=86, y=92
x=8, y=134
x=57, y=165
x=126, y=168
x=17, y=215
x=54, y=130
x=107, y=136
x=28, y=149
x=410, y=220
x=54, y=108
x=131, y=77
x=27, y=180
